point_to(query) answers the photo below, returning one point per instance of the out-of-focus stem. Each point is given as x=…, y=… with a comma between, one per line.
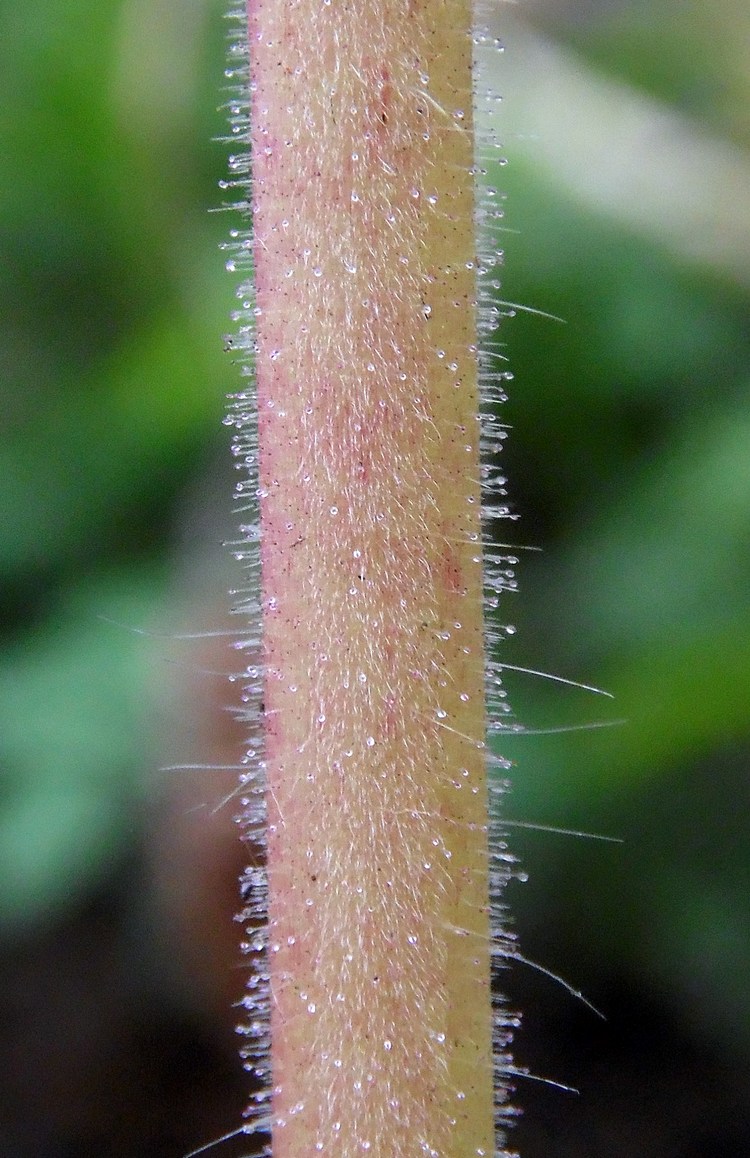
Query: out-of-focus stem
x=374, y=708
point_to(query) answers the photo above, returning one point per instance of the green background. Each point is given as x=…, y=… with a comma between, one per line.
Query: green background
x=629, y=463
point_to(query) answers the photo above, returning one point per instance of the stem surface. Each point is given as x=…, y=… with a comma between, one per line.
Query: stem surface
x=379, y=949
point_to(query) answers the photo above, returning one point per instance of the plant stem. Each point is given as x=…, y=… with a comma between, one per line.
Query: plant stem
x=379, y=947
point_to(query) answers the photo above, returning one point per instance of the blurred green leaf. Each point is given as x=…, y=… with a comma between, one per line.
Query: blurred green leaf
x=76, y=703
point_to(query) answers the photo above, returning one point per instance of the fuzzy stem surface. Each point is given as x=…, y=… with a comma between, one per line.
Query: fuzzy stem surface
x=379, y=947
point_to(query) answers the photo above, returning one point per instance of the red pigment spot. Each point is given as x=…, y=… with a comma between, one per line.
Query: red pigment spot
x=450, y=570
x=386, y=94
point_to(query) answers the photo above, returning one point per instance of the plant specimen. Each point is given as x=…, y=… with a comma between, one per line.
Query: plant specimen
x=370, y=1017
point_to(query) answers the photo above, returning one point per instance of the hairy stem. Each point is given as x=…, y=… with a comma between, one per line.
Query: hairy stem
x=379, y=949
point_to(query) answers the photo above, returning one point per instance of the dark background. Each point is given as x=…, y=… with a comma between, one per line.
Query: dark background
x=627, y=132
